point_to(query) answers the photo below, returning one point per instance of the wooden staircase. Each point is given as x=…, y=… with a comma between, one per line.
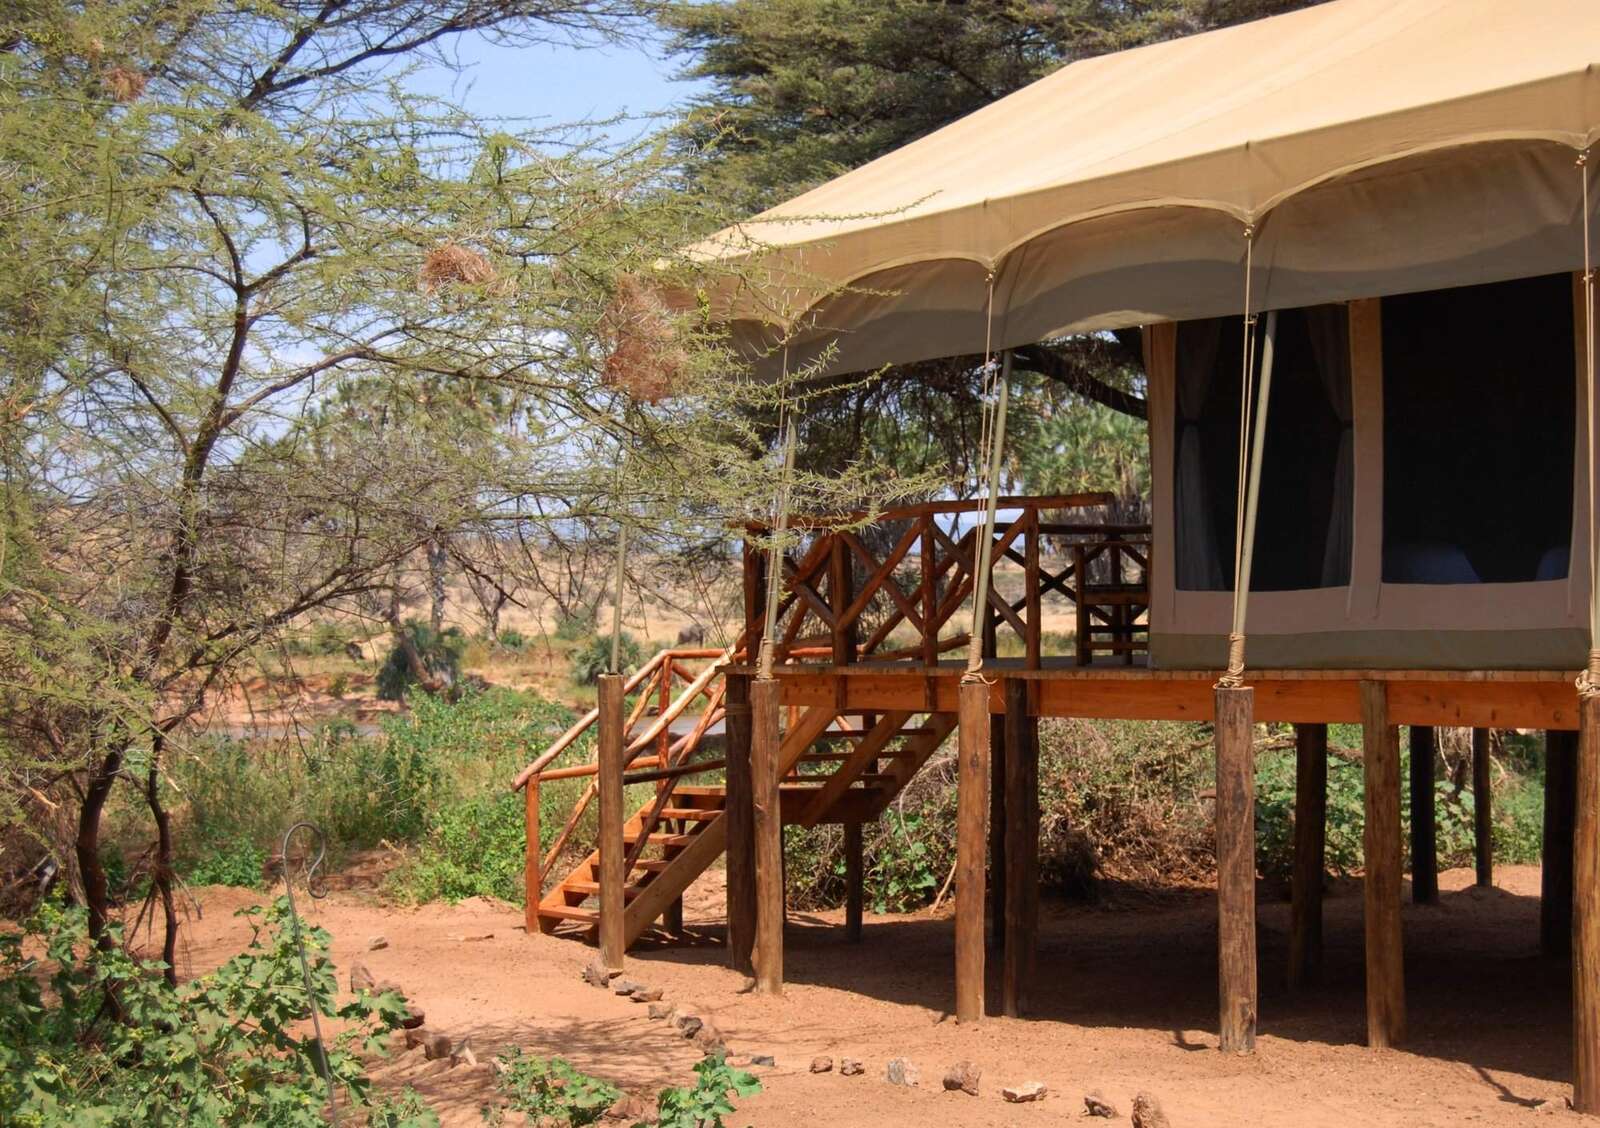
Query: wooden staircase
x=834, y=768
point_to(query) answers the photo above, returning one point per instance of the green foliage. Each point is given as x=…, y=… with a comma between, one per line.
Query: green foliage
x=551, y=1088
x=473, y=847
x=441, y=653
x=231, y=859
x=511, y=639
x=229, y=1048
x=709, y=1100
x=593, y=658
x=572, y=626
x=401, y=1110
x=324, y=639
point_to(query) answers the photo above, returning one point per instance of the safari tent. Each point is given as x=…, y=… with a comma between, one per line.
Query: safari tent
x=1359, y=243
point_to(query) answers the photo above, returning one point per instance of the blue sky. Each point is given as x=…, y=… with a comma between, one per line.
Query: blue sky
x=556, y=84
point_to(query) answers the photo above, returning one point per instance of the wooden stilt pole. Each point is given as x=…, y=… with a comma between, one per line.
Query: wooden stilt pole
x=1021, y=873
x=532, y=876
x=768, y=827
x=1310, y=849
x=1555, y=878
x=1586, y=913
x=1386, y=990
x=1482, y=807
x=852, y=882
x=1424, y=836
x=612, y=848
x=1236, y=868
x=997, y=832
x=741, y=827
x=972, y=804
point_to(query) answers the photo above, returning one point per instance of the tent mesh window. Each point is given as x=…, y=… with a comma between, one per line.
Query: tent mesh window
x=1304, y=527
x=1479, y=433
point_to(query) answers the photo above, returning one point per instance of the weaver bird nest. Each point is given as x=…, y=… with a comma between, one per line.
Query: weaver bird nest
x=124, y=83
x=451, y=264
x=644, y=357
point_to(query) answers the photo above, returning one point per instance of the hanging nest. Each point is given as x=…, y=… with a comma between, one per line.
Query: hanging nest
x=451, y=264
x=124, y=83
x=644, y=357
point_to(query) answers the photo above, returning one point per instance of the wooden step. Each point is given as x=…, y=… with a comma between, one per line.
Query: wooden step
x=592, y=889
x=569, y=912
x=691, y=814
x=660, y=839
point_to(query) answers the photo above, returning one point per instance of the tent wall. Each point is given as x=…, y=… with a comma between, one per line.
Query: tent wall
x=1366, y=623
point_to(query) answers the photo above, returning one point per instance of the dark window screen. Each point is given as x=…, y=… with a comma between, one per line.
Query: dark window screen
x=1479, y=417
x=1303, y=529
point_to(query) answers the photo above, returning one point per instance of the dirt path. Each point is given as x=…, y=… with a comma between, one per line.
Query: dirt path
x=1125, y=1000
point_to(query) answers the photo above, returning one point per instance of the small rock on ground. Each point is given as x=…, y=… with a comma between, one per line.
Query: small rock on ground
x=417, y=1036
x=901, y=1072
x=626, y=987
x=1147, y=1113
x=596, y=974
x=1094, y=1104
x=377, y=942
x=850, y=1067
x=646, y=994
x=689, y=1025
x=436, y=1046
x=1025, y=1092
x=360, y=978
x=962, y=1077
x=661, y=1010
x=822, y=1065
x=629, y=1107
x=764, y=1059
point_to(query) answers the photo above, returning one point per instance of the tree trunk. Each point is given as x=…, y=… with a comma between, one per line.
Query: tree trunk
x=96, y=895
x=162, y=872
x=438, y=557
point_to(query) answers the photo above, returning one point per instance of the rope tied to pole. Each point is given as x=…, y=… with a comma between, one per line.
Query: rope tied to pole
x=1589, y=680
x=991, y=447
x=780, y=527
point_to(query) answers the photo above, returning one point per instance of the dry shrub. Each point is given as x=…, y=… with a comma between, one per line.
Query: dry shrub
x=1124, y=800
x=124, y=83
x=451, y=264
x=644, y=357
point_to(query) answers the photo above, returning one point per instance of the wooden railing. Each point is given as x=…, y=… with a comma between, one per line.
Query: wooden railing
x=652, y=756
x=845, y=600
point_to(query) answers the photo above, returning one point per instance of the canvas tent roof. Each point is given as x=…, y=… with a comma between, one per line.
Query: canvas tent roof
x=1374, y=145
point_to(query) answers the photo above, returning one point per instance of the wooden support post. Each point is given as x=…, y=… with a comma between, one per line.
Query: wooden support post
x=852, y=882
x=740, y=809
x=997, y=831
x=1424, y=838
x=972, y=804
x=1310, y=850
x=1380, y=839
x=1021, y=874
x=532, y=875
x=1236, y=867
x=1555, y=880
x=768, y=823
x=1586, y=913
x=1482, y=807
x=755, y=598
x=611, y=759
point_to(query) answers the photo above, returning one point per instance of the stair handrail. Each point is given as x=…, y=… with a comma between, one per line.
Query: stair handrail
x=584, y=723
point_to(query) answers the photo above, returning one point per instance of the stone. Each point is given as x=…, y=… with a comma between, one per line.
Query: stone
x=962, y=1077
x=901, y=1072
x=850, y=1067
x=748, y=986
x=377, y=943
x=625, y=987
x=646, y=994
x=708, y=1039
x=1147, y=1113
x=596, y=974
x=630, y=1108
x=360, y=978
x=661, y=1010
x=822, y=1065
x=764, y=1059
x=414, y=1017
x=688, y=1025
x=416, y=1036
x=1095, y=1104
x=1025, y=1092
x=436, y=1046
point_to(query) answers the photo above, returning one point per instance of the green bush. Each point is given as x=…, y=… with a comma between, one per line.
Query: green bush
x=575, y=625
x=441, y=652
x=710, y=1098
x=593, y=658
x=323, y=640
x=511, y=639
x=229, y=1048
x=546, y=1091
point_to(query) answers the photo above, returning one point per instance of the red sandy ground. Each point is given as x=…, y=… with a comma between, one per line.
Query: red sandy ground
x=1124, y=1001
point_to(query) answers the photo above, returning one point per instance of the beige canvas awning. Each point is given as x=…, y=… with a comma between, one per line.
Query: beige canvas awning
x=1374, y=146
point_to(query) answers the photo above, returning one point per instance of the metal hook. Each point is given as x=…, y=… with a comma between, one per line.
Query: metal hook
x=317, y=890
x=315, y=880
